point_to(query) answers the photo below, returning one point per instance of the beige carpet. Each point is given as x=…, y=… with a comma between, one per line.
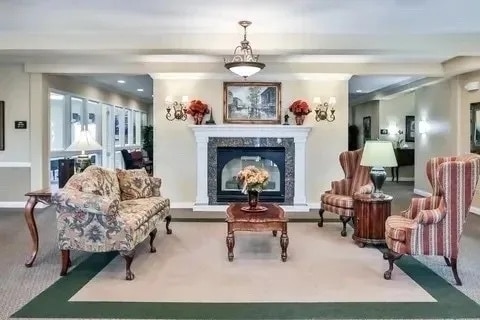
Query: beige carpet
x=191, y=266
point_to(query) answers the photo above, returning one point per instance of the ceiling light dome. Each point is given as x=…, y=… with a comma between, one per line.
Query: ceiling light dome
x=244, y=63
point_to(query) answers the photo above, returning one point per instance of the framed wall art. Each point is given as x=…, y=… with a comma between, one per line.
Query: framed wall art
x=252, y=102
x=2, y=125
x=367, y=128
x=409, y=128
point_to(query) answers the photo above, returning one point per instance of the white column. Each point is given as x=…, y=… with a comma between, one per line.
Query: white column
x=202, y=170
x=299, y=197
x=39, y=132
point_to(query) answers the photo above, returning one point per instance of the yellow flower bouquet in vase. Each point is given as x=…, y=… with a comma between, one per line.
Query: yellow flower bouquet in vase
x=253, y=180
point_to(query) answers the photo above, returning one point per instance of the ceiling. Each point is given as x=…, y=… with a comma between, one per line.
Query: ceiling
x=129, y=87
x=368, y=84
x=381, y=41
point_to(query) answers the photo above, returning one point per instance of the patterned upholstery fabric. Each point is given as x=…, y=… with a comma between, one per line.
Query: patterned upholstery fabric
x=134, y=184
x=433, y=225
x=93, y=222
x=339, y=199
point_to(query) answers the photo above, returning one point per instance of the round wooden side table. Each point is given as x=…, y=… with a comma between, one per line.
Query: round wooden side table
x=369, y=219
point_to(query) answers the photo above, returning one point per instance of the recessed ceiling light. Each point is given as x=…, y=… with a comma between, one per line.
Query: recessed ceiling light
x=121, y=81
x=140, y=90
x=358, y=91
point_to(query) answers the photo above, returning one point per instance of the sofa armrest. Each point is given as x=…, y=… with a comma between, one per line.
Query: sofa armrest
x=341, y=186
x=430, y=216
x=74, y=200
x=156, y=184
x=418, y=204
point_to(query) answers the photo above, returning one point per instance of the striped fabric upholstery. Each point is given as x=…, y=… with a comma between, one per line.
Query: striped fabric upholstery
x=339, y=199
x=437, y=225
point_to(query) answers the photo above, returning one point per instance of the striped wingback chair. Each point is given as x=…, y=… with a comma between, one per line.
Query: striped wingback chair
x=434, y=225
x=339, y=199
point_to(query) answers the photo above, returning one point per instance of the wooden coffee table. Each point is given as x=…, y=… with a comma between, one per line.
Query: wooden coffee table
x=273, y=220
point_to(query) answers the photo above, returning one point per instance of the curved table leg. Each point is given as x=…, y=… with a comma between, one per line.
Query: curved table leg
x=32, y=227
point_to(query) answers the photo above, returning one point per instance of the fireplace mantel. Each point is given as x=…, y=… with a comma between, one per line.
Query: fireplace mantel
x=204, y=132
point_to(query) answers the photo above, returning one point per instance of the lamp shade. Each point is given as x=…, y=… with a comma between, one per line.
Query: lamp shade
x=84, y=142
x=378, y=154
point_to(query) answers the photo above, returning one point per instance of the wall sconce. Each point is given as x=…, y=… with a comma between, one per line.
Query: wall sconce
x=179, y=109
x=423, y=127
x=321, y=111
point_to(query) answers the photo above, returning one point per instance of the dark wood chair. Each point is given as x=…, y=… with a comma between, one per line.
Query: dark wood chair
x=134, y=160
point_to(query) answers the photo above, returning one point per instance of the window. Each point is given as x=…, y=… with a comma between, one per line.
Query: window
x=94, y=120
x=76, y=118
x=118, y=111
x=137, y=128
x=57, y=121
x=128, y=138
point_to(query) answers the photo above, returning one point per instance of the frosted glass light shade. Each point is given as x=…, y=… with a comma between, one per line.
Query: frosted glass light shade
x=84, y=142
x=245, y=68
x=378, y=154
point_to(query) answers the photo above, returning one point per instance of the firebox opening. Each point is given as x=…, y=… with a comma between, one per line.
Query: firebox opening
x=230, y=160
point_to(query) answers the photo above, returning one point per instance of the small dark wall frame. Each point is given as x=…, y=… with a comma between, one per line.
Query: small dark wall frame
x=2, y=125
x=409, y=128
x=367, y=128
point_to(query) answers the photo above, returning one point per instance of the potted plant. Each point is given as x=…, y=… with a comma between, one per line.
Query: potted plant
x=147, y=133
x=197, y=109
x=300, y=109
x=253, y=180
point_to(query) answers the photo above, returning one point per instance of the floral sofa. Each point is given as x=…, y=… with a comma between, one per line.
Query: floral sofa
x=102, y=210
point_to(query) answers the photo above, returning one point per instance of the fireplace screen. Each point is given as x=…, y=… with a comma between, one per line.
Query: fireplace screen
x=230, y=170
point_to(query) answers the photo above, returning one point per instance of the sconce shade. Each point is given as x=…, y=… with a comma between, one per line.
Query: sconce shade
x=378, y=154
x=422, y=126
x=84, y=142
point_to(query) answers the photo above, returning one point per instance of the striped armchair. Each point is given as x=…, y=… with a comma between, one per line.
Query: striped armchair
x=339, y=199
x=433, y=226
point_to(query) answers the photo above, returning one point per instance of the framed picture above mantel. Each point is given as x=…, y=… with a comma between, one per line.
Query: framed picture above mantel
x=252, y=102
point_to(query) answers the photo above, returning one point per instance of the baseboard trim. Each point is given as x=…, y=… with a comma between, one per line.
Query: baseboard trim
x=19, y=205
x=401, y=179
x=423, y=193
x=218, y=208
x=5, y=164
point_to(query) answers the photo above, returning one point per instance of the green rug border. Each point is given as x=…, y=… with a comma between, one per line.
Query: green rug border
x=53, y=301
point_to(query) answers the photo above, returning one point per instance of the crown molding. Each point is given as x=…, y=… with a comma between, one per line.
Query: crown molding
x=257, y=77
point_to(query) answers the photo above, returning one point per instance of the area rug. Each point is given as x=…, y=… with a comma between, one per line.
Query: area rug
x=190, y=277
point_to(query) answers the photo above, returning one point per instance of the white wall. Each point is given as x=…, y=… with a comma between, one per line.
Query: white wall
x=15, y=91
x=175, y=146
x=392, y=113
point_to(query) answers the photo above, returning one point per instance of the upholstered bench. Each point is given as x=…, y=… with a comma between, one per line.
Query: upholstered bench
x=101, y=210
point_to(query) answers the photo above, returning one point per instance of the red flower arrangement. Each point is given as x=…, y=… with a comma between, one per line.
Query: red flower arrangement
x=197, y=109
x=299, y=108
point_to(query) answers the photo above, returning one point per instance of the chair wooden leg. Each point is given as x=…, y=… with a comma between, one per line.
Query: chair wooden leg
x=128, y=256
x=320, y=213
x=447, y=261
x=391, y=256
x=168, y=219
x=344, y=220
x=455, y=273
x=152, y=234
x=66, y=262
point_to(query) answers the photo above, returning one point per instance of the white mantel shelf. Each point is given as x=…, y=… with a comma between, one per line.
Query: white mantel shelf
x=249, y=130
x=204, y=132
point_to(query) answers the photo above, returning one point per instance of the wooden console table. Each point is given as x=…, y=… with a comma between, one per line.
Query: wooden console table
x=43, y=196
x=405, y=157
x=370, y=216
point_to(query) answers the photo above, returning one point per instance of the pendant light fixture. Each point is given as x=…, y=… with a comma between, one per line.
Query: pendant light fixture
x=244, y=63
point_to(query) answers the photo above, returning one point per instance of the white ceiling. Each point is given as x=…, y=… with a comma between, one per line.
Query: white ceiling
x=368, y=84
x=382, y=41
x=220, y=16
x=132, y=83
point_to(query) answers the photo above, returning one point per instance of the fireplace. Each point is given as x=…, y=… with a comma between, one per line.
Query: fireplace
x=230, y=160
x=278, y=147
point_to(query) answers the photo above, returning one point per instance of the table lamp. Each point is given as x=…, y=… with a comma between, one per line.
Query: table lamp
x=84, y=142
x=378, y=154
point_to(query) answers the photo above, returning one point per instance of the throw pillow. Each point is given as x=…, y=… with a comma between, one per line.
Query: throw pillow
x=134, y=184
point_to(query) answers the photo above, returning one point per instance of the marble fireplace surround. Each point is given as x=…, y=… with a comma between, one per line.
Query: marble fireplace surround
x=252, y=135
